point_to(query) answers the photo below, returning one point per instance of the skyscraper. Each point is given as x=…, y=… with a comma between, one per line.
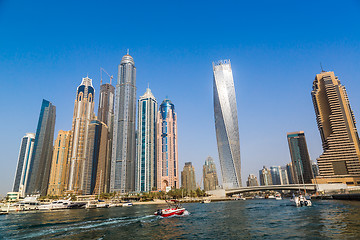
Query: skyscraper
x=106, y=115
x=209, y=175
x=146, y=143
x=252, y=181
x=290, y=173
x=275, y=175
x=166, y=145
x=226, y=124
x=340, y=161
x=60, y=166
x=96, y=164
x=83, y=114
x=265, y=177
x=43, y=146
x=300, y=157
x=124, y=142
x=188, y=177
x=22, y=170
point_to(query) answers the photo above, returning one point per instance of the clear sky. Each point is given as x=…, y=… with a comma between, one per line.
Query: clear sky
x=275, y=48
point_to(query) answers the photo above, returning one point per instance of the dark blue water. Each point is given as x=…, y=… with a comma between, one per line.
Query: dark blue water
x=251, y=219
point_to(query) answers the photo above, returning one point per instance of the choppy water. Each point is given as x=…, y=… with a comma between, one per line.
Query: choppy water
x=252, y=219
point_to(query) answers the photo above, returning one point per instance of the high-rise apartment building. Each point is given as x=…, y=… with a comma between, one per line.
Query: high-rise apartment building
x=124, y=142
x=106, y=115
x=209, y=175
x=22, y=170
x=265, y=176
x=284, y=179
x=188, y=177
x=300, y=157
x=290, y=173
x=226, y=124
x=275, y=175
x=96, y=166
x=40, y=165
x=83, y=114
x=252, y=181
x=166, y=145
x=60, y=166
x=146, y=143
x=340, y=161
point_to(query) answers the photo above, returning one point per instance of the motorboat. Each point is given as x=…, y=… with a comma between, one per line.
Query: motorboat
x=27, y=204
x=271, y=197
x=278, y=196
x=206, y=201
x=301, y=201
x=174, y=208
x=127, y=204
x=60, y=204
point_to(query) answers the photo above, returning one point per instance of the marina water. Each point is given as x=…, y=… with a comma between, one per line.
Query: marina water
x=251, y=219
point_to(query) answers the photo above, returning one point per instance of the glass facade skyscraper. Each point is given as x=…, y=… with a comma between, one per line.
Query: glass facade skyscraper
x=124, y=143
x=300, y=157
x=226, y=124
x=43, y=147
x=22, y=170
x=146, y=143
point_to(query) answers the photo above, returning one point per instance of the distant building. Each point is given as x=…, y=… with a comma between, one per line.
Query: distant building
x=315, y=169
x=22, y=170
x=340, y=161
x=167, y=147
x=60, y=166
x=252, y=181
x=265, y=177
x=226, y=124
x=275, y=175
x=145, y=168
x=284, y=179
x=290, y=173
x=43, y=147
x=188, y=177
x=83, y=114
x=210, y=177
x=300, y=157
x=124, y=142
x=97, y=165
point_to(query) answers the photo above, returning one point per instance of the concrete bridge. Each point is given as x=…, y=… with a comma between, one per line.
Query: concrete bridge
x=308, y=187
x=229, y=192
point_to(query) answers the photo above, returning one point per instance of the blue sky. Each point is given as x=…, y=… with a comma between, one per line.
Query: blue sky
x=275, y=49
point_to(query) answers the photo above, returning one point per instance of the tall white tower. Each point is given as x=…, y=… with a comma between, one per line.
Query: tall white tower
x=226, y=124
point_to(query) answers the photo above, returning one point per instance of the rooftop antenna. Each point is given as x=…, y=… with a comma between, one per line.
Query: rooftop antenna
x=127, y=52
x=148, y=85
x=322, y=70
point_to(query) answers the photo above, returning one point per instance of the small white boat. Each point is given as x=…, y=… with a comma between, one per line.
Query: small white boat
x=278, y=196
x=301, y=201
x=206, y=201
x=271, y=197
x=127, y=204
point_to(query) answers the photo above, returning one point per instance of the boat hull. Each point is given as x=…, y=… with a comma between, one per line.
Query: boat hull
x=170, y=212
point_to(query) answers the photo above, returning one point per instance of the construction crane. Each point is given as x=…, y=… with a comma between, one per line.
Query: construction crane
x=103, y=70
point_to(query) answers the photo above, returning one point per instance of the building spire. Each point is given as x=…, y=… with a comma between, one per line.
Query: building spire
x=127, y=52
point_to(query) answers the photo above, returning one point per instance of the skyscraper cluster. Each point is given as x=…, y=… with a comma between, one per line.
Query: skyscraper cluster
x=104, y=153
